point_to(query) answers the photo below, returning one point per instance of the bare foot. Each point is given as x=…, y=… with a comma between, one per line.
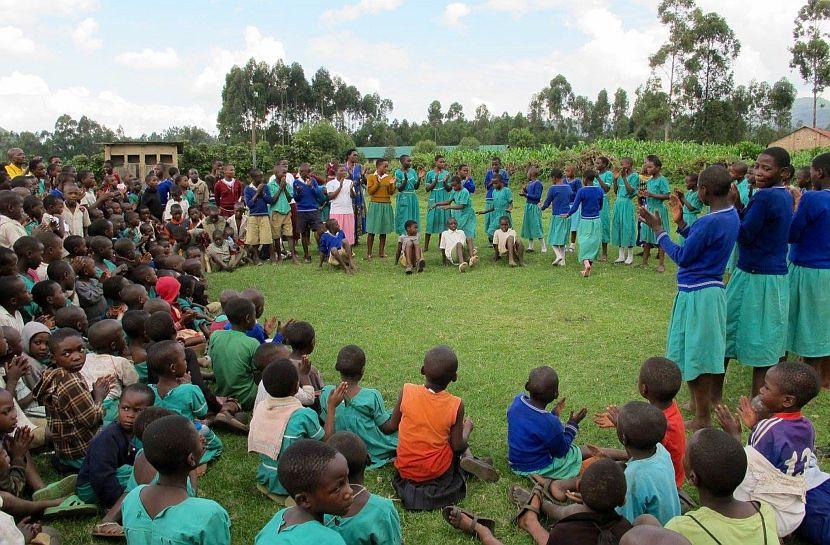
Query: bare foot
x=524, y=518
x=660, y=268
x=695, y=424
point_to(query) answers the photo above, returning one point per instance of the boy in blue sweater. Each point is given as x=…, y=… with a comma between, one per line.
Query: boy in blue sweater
x=696, y=336
x=258, y=199
x=758, y=295
x=308, y=194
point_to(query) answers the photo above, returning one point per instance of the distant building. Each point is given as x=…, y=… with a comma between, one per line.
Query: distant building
x=804, y=138
x=377, y=152
x=138, y=158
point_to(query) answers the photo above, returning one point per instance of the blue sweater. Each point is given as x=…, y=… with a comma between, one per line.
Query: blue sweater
x=590, y=197
x=307, y=197
x=703, y=257
x=164, y=190
x=810, y=231
x=765, y=229
x=488, y=181
x=574, y=184
x=533, y=192
x=257, y=206
x=535, y=436
x=560, y=197
x=109, y=450
x=470, y=185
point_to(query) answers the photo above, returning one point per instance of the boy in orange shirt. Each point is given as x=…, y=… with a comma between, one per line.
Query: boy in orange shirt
x=433, y=439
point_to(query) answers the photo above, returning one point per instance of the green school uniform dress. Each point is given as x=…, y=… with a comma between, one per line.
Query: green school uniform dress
x=605, y=213
x=303, y=424
x=377, y=523
x=624, y=224
x=363, y=415
x=532, y=221
x=195, y=521
x=589, y=237
x=131, y=484
x=232, y=354
x=307, y=533
x=743, y=195
x=659, y=185
x=406, y=202
x=466, y=217
x=437, y=218
x=502, y=198
x=188, y=401
x=690, y=216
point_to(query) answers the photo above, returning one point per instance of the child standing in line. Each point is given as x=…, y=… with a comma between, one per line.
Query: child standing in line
x=280, y=210
x=501, y=206
x=624, y=226
x=604, y=180
x=437, y=187
x=575, y=184
x=488, y=185
x=656, y=192
x=532, y=222
x=696, y=334
x=453, y=243
x=258, y=199
x=164, y=510
x=739, y=172
x=809, y=274
x=341, y=193
x=559, y=199
x=460, y=205
x=335, y=249
x=371, y=519
x=407, y=181
x=232, y=352
x=507, y=243
x=588, y=202
x=363, y=411
x=409, y=253
x=758, y=294
x=380, y=219
x=692, y=207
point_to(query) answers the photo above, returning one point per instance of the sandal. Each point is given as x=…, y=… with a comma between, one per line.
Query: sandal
x=544, y=484
x=270, y=495
x=73, y=505
x=490, y=524
x=481, y=469
x=59, y=489
x=108, y=530
x=535, y=493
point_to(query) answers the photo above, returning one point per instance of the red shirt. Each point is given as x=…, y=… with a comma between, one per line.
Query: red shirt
x=227, y=197
x=675, y=440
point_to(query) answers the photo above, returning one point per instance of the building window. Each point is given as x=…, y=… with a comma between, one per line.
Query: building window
x=166, y=159
x=117, y=160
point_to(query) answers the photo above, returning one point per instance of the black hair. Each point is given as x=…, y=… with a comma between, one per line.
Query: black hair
x=780, y=156
x=97, y=343
x=590, y=175
x=408, y=223
x=50, y=200
x=142, y=389
x=160, y=356
x=504, y=218
x=799, y=380
x=29, y=202
x=239, y=309
x=351, y=360
x=187, y=283
x=112, y=287
x=26, y=244
x=302, y=465
x=133, y=323
x=266, y=353
x=822, y=163
x=68, y=316
x=48, y=237
x=139, y=273
x=380, y=161
x=604, y=160
x=61, y=335
x=9, y=288
x=172, y=171
x=716, y=179
x=147, y=417
x=603, y=486
x=654, y=160
x=73, y=243
x=159, y=326
x=440, y=365
x=299, y=336
x=167, y=443
x=9, y=199
x=99, y=243
x=280, y=378
x=98, y=228
x=439, y=156
x=543, y=382
x=556, y=173
x=348, y=152
x=718, y=460
x=43, y=290
x=627, y=159
x=353, y=449
x=642, y=424
x=7, y=256
x=662, y=377
x=122, y=246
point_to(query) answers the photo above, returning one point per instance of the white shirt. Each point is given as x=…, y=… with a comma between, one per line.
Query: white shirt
x=10, y=231
x=342, y=204
x=500, y=239
x=77, y=220
x=449, y=239
x=167, y=216
x=15, y=321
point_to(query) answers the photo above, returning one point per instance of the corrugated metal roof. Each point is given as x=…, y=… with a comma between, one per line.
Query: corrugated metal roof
x=376, y=152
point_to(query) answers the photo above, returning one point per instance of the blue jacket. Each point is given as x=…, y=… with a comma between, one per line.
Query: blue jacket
x=810, y=231
x=590, y=198
x=258, y=206
x=109, y=450
x=164, y=190
x=307, y=197
x=560, y=197
x=535, y=436
x=533, y=192
x=765, y=230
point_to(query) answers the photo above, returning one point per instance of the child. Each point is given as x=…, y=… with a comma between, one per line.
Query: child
x=74, y=215
x=335, y=249
x=33, y=208
x=300, y=336
x=809, y=274
x=176, y=198
x=166, y=360
x=107, y=344
x=454, y=242
x=137, y=341
x=696, y=335
x=259, y=332
x=433, y=439
x=63, y=273
x=134, y=296
x=649, y=473
x=716, y=465
x=758, y=294
x=588, y=202
x=460, y=205
x=263, y=357
x=308, y=195
x=558, y=198
x=150, y=198
x=380, y=218
x=371, y=519
x=102, y=255
x=219, y=253
x=407, y=182
x=803, y=179
x=280, y=209
x=11, y=214
x=692, y=206
x=145, y=276
x=532, y=222
x=624, y=227
x=308, y=469
x=108, y=463
x=780, y=447
x=500, y=207
x=232, y=352
x=437, y=188
x=505, y=242
x=89, y=289
x=655, y=193
x=74, y=415
x=164, y=511
x=257, y=199
x=364, y=411
x=29, y=251
x=604, y=180
x=177, y=228
x=409, y=253
x=13, y=297
x=72, y=316
x=280, y=420
x=575, y=184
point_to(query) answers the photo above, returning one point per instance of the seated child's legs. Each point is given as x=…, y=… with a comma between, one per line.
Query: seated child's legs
x=459, y=252
x=19, y=508
x=815, y=528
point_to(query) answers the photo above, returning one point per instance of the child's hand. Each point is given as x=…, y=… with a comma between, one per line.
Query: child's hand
x=676, y=207
x=185, y=378
x=468, y=424
x=16, y=368
x=579, y=416
x=560, y=406
x=728, y=421
x=748, y=415
x=48, y=321
x=734, y=196
x=596, y=452
x=305, y=366
x=270, y=325
x=338, y=395
x=575, y=497
x=282, y=327
x=4, y=461
x=20, y=443
x=101, y=387
x=29, y=529
x=608, y=419
x=652, y=220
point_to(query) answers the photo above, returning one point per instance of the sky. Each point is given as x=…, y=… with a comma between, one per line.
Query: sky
x=146, y=66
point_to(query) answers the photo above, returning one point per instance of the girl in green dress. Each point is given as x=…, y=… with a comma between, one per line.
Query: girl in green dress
x=502, y=205
x=406, y=204
x=532, y=221
x=437, y=186
x=460, y=205
x=655, y=193
x=692, y=206
x=624, y=225
x=604, y=180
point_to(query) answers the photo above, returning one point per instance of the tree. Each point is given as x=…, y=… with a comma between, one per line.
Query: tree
x=620, y=113
x=322, y=90
x=811, y=52
x=425, y=146
x=435, y=117
x=325, y=137
x=599, y=115
x=245, y=102
x=557, y=97
x=781, y=99
x=521, y=138
x=455, y=112
x=469, y=143
x=651, y=109
x=582, y=110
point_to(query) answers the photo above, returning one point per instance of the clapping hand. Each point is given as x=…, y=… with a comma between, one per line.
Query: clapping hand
x=19, y=444
x=652, y=220
x=748, y=415
x=607, y=419
x=676, y=208
x=560, y=406
x=271, y=325
x=729, y=422
x=576, y=418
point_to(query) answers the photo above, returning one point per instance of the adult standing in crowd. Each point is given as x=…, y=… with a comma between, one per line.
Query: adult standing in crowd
x=17, y=162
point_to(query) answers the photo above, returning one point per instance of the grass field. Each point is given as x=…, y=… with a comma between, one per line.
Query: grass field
x=595, y=332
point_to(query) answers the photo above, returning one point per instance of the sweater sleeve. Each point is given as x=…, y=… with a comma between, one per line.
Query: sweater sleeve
x=580, y=196
x=548, y=198
x=104, y=461
x=534, y=192
x=800, y=220
x=561, y=438
x=687, y=254
x=753, y=221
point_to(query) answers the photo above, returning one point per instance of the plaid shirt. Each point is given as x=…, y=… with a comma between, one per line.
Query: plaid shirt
x=73, y=416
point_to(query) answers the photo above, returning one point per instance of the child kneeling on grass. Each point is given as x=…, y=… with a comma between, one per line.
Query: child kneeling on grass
x=335, y=249
x=409, y=253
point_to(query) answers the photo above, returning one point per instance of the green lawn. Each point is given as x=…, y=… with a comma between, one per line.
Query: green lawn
x=595, y=332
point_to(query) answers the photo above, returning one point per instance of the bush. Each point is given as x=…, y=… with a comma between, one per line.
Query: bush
x=469, y=143
x=325, y=137
x=425, y=146
x=520, y=138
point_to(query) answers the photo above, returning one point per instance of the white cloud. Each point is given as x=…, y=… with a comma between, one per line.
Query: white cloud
x=86, y=35
x=149, y=59
x=23, y=84
x=349, y=46
x=454, y=13
x=32, y=12
x=257, y=46
x=15, y=42
x=518, y=8
x=350, y=12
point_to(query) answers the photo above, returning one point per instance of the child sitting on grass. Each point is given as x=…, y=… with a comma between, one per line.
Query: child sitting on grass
x=453, y=242
x=335, y=249
x=164, y=511
x=279, y=420
x=107, y=344
x=409, y=253
x=232, y=352
x=133, y=324
x=259, y=331
x=371, y=519
x=300, y=336
x=716, y=464
x=48, y=296
x=363, y=411
x=433, y=439
x=506, y=243
x=89, y=289
x=317, y=477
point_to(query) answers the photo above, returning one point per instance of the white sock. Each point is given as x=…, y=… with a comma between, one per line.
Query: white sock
x=629, y=258
x=622, y=254
x=544, y=246
x=530, y=244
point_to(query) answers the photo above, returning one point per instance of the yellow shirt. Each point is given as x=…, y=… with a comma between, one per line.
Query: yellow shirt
x=380, y=188
x=14, y=170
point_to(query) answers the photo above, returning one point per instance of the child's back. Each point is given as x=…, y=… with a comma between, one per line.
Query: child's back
x=232, y=353
x=307, y=533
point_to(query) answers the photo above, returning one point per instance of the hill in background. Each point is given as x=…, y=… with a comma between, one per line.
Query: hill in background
x=802, y=112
